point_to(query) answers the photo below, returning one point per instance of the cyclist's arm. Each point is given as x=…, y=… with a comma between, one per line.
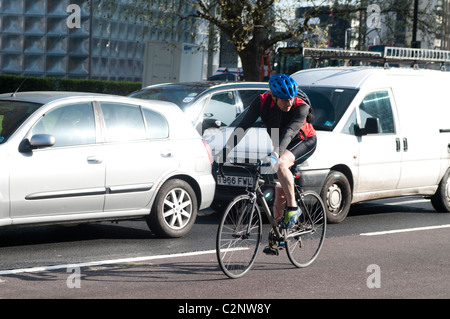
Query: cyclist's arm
x=249, y=118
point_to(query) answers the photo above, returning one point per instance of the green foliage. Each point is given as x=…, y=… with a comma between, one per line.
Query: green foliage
x=10, y=83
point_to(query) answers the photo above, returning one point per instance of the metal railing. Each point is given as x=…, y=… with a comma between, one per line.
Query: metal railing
x=397, y=55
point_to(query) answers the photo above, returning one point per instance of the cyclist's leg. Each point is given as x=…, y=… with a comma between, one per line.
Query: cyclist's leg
x=300, y=151
x=285, y=177
x=303, y=149
x=278, y=211
x=279, y=204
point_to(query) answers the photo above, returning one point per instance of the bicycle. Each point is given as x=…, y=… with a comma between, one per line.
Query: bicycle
x=240, y=229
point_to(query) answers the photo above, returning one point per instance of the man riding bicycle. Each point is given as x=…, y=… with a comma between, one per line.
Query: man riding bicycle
x=287, y=109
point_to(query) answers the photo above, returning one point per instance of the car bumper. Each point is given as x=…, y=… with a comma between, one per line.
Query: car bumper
x=207, y=188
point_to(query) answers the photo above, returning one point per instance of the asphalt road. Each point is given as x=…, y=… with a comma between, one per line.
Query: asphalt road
x=366, y=256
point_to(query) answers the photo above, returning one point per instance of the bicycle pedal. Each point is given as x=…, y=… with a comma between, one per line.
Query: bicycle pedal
x=271, y=251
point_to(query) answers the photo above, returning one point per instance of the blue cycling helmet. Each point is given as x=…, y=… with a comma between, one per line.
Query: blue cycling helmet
x=283, y=86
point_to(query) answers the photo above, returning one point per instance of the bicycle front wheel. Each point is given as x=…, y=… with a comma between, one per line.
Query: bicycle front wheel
x=305, y=239
x=238, y=236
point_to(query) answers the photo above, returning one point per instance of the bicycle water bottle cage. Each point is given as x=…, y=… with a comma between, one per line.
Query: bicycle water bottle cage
x=296, y=171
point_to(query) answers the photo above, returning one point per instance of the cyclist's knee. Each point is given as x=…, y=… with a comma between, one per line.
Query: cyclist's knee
x=284, y=163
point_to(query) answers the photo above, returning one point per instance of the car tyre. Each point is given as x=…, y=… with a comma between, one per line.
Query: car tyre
x=441, y=199
x=336, y=194
x=174, y=211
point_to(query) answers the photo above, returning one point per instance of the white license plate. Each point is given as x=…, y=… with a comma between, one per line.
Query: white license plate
x=238, y=181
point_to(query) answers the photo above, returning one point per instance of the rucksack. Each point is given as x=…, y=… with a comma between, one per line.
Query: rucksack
x=302, y=95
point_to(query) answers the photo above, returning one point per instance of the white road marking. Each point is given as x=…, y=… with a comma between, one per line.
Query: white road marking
x=102, y=262
x=108, y=262
x=404, y=230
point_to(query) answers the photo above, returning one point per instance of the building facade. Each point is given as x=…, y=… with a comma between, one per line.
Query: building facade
x=74, y=39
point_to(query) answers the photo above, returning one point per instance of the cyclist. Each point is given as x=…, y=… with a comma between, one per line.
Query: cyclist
x=286, y=109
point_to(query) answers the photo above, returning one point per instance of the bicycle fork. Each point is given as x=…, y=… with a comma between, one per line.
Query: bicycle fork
x=248, y=212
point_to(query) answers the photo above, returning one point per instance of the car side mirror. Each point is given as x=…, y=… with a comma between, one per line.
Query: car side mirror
x=36, y=141
x=372, y=126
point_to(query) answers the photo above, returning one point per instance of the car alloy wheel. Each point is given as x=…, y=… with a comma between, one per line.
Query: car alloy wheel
x=174, y=210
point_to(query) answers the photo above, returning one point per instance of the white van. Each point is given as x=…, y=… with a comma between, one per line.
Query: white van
x=381, y=133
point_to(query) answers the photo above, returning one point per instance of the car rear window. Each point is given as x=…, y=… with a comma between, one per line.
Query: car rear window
x=12, y=115
x=181, y=95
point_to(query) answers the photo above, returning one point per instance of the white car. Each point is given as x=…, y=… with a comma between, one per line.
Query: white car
x=77, y=157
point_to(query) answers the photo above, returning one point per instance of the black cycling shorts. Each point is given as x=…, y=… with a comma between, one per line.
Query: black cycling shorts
x=303, y=149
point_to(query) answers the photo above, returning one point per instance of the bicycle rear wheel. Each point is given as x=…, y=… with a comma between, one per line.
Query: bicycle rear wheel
x=238, y=236
x=305, y=239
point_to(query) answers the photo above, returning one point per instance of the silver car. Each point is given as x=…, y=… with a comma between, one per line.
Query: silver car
x=77, y=157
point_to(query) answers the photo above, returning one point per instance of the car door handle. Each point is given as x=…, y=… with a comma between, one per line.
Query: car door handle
x=94, y=160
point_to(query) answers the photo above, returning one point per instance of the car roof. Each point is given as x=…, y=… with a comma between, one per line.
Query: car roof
x=44, y=97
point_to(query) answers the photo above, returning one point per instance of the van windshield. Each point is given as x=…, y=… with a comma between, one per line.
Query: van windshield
x=329, y=105
x=12, y=115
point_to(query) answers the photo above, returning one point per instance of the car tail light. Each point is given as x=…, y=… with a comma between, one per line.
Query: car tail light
x=208, y=150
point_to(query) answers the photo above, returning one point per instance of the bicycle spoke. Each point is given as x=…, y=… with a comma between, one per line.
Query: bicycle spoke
x=238, y=237
x=304, y=241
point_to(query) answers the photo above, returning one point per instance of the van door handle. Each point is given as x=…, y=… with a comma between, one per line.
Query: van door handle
x=405, y=144
x=94, y=160
x=397, y=144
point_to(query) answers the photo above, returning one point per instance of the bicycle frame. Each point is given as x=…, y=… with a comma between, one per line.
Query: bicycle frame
x=257, y=196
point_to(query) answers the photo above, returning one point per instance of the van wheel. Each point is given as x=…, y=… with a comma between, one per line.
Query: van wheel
x=174, y=211
x=336, y=195
x=441, y=199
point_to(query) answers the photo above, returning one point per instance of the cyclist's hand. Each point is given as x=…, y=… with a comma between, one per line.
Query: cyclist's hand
x=269, y=164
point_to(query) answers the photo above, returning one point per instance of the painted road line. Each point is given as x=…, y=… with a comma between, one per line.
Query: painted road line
x=108, y=262
x=102, y=262
x=404, y=230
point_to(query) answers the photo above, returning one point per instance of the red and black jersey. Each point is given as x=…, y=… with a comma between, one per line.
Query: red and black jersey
x=290, y=124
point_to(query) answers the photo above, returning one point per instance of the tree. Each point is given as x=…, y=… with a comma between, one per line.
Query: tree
x=251, y=26
x=256, y=26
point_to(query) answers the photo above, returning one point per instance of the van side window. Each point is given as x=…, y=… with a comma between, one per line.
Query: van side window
x=378, y=105
x=349, y=127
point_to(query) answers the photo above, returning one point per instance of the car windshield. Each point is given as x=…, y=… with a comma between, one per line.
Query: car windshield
x=179, y=94
x=12, y=115
x=329, y=105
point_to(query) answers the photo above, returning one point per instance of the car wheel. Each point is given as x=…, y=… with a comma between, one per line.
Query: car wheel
x=336, y=195
x=174, y=211
x=441, y=199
